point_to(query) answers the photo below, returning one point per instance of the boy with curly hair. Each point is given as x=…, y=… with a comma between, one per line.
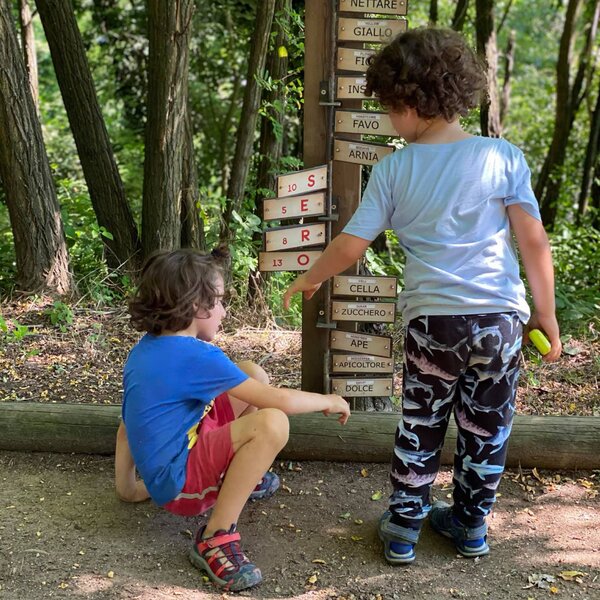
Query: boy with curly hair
x=455, y=201
x=201, y=430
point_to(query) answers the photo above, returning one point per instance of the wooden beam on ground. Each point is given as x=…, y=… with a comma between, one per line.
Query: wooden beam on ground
x=547, y=442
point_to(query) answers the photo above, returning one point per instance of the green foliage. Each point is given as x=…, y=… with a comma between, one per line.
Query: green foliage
x=577, y=264
x=12, y=330
x=60, y=315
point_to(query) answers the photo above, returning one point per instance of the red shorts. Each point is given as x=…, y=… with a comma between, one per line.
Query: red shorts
x=207, y=462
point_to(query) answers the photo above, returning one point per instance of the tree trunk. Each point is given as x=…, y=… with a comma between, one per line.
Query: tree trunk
x=433, y=12
x=28, y=48
x=548, y=184
x=272, y=128
x=169, y=31
x=192, y=226
x=590, y=162
x=460, y=15
x=509, y=63
x=487, y=48
x=249, y=116
x=40, y=246
x=99, y=166
x=595, y=197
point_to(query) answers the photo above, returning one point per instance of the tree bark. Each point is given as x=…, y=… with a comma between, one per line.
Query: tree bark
x=169, y=31
x=192, y=225
x=548, y=183
x=460, y=15
x=433, y=12
x=590, y=162
x=509, y=63
x=28, y=48
x=249, y=116
x=40, y=245
x=272, y=128
x=99, y=166
x=487, y=48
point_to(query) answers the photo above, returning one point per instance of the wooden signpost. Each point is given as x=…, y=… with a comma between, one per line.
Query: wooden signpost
x=340, y=38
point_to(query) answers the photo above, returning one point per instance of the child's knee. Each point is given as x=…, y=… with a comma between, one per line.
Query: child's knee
x=274, y=425
x=253, y=370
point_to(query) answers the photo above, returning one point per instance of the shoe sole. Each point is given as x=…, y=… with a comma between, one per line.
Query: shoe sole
x=202, y=565
x=464, y=551
x=395, y=561
x=263, y=494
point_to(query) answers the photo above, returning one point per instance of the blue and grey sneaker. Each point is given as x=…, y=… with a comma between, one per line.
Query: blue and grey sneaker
x=398, y=542
x=469, y=541
x=268, y=485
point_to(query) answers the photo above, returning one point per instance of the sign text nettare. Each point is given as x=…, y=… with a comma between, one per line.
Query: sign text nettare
x=380, y=7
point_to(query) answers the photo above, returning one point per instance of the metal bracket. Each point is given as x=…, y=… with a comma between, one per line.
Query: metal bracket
x=323, y=325
x=325, y=95
x=329, y=218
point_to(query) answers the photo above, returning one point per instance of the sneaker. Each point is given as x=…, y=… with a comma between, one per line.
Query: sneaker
x=268, y=485
x=398, y=542
x=221, y=557
x=469, y=541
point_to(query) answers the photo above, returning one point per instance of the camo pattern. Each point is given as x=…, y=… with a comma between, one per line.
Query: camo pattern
x=468, y=365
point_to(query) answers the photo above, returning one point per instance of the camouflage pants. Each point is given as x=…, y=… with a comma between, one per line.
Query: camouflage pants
x=469, y=365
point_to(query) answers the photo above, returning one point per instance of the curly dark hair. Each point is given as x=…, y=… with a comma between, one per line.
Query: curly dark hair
x=432, y=70
x=174, y=285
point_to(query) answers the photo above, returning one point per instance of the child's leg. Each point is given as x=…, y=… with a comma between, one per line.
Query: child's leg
x=257, y=438
x=484, y=414
x=241, y=408
x=435, y=354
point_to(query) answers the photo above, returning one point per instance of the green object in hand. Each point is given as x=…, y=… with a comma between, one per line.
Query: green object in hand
x=540, y=341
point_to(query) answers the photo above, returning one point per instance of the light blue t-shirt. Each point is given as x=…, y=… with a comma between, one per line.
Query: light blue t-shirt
x=447, y=204
x=169, y=383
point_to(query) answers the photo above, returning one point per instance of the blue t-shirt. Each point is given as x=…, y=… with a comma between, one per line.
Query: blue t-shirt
x=169, y=384
x=447, y=204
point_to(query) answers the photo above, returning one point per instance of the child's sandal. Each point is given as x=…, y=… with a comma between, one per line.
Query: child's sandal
x=221, y=557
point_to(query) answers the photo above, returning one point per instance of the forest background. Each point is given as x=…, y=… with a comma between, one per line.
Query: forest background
x=127, y=126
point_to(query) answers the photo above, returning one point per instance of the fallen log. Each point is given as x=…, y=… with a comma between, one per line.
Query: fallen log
x=549, y=442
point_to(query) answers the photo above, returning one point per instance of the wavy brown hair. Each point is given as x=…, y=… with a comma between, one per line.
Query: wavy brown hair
x=432, y=70
x=174, y=285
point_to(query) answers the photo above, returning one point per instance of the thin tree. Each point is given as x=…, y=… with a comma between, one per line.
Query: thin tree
x=569, y=97
x=590, y=163
x=487, y=48
x=509, y=64
x=272, y=126
x=169, y=31
x=249, y=116
x=117, y=226
x=28, y=48
x=40, y=245
x=460, y=15
x=433, y=12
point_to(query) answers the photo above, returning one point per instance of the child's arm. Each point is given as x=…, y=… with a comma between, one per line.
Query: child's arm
x=127, y=487
x=342, y=253
x=291, y=402
x=537, y=260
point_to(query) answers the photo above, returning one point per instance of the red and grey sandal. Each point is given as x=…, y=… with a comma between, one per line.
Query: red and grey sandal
x=268, y=485
x=221, y=557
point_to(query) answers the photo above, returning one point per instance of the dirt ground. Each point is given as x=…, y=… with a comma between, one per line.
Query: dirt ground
x=63, y=534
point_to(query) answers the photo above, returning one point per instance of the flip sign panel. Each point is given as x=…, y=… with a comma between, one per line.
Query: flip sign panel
x=305, y=205
x=351, y=87
x=287, y=261
x=297, y=236
x=360, y=363
x=351, y=59
x=362, y=387
x=370, y=30
x=360, y=153
x=374, y=123
x=301, y=182
x=371, y=312
x=348, y=285
x=378, y=345
x=380, y=7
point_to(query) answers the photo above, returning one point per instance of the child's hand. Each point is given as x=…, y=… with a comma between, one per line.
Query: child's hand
x=549, y=325
x=300, y=285
x=339, y=407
